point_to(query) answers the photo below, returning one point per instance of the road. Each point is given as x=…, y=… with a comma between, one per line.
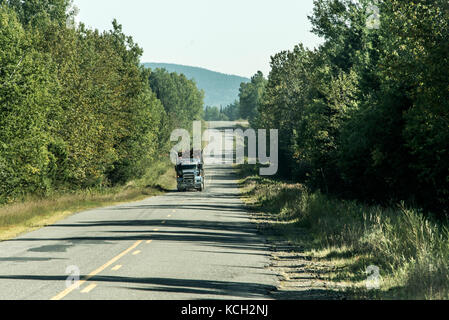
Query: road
x=178, y=246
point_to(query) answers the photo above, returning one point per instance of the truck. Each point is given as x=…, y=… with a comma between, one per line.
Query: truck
x=190, y=174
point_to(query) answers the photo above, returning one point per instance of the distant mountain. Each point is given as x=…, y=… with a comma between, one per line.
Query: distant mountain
x=220, y=89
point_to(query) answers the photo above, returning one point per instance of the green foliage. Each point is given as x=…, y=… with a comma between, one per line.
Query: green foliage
x=366, y=114
x=77, y=109
x=232, y=111
x=411, y=250
x=250, y=96
x=25, y=100
x=229, y=113
x=182, y=100
x=35, y=12
x=214, y=114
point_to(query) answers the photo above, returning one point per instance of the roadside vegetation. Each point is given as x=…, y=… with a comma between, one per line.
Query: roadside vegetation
x=363, y=144
x=33, y=212
x=410, y=250
x=82, y=122
x=366, y=114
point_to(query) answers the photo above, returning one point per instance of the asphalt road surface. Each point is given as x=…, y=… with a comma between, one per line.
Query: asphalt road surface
x=173, y=247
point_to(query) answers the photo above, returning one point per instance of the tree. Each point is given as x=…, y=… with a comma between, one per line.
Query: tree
x=76, y=108
x=182, y=100
x=366, y=114
x=232, y=111
x=34, y=12
x=251, y=95
x=25, y=100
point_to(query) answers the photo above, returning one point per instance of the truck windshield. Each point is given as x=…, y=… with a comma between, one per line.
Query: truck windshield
x=188, y=167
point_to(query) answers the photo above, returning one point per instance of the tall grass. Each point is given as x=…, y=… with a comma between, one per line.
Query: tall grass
x=412, y=251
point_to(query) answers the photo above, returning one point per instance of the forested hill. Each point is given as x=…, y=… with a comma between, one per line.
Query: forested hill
x=220, y=89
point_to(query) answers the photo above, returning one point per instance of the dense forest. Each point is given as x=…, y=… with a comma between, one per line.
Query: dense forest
x=77, y=108
x=365, y=115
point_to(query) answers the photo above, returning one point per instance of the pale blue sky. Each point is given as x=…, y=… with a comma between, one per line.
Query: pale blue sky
x=229, y=36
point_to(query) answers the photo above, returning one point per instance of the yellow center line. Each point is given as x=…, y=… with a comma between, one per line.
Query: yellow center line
x=149, y=241
x=79, y=283
x=169, y=216
x=117, y=267
x=89, y=288
x=135, y=253
x=155, y=229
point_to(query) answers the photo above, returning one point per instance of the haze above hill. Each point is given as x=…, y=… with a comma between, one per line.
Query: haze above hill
x=220, y=89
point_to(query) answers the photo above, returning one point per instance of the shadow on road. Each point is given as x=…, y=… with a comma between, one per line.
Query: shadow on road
x=170, y=285
x=232, y=235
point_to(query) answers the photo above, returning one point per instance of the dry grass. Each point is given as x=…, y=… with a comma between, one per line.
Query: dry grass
x=34, y=213
x=411, y=251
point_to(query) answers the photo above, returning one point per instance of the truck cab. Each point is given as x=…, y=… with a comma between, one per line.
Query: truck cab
x=190, y=175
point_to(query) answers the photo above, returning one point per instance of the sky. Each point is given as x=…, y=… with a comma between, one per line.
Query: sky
x=229, y=36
